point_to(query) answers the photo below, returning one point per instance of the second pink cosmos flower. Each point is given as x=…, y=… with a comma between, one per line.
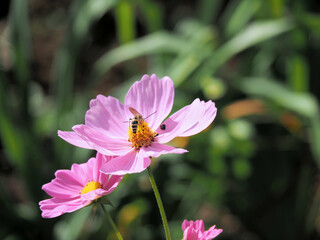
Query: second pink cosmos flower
x=115, y=129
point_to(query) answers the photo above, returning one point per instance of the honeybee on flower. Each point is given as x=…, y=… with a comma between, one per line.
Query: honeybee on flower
x=150, y=101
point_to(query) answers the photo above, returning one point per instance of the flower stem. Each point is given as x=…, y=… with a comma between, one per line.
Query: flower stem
x=159, y=202
x=111, y=222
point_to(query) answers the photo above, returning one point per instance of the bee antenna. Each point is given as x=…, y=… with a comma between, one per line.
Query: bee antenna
x=150, y=115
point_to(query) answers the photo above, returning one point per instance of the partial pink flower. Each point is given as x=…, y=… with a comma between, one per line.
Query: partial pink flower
x=110, y=127
x=76, y=188
x=194, y=230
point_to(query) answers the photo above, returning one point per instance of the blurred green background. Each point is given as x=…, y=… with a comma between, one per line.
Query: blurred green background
x=254, y=172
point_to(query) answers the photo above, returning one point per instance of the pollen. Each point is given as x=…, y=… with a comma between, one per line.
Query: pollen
x=90, y=186
x=143, y=135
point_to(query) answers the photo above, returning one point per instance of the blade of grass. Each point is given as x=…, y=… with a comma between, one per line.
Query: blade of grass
x=208, y=10
x=152, y=15
x=125, y=20
x=21, y=45
x=84, y=13
x=238, y=15
x=10, y=138
x=252, y=35
x=25, y=148
x=298, y=73
x=303, y=104
x=160, y=42
x=277, y=7
x=314, y=133
x=202, y=41
x=72, y=227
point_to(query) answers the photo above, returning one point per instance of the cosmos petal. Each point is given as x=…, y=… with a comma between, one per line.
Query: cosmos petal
x=74, y=139
x=55, y=207
x=204, y=121
x=194, y=230
x=66, y=188
x=190, y=234
x=101, y=142
x=188, y=121
x=157, y=149
x=211, y=233
x=108, y=115
x=58, y=188
x=93, y=195
x=181, y=121
x=132, y=162
x=152, y=98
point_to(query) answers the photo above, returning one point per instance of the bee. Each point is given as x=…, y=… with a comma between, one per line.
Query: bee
x=136, y=120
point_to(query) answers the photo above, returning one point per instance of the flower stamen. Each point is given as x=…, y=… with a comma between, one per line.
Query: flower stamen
x=90, y=186
x=141, y=135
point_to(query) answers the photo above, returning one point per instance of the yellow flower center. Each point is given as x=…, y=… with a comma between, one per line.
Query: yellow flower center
x=90, y=186
x=140, y=134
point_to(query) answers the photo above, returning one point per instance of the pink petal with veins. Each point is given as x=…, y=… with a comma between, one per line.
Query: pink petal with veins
x=132, y=162
x=152, y=98
x=65, y=189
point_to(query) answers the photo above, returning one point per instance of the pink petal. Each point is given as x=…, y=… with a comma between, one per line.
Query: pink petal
x=65, y=185
x=185, y=224
x=55, y=207
x=96, y=165
x=207, y=118
x=211, y=233
x=180, y=121
x=112, y=183
x=74, y=139
x=83, y=172
x=102, y=142
x=126, y=164
x=108, y=182
x=188, y=121
x=157, y=149
x=107, y=114
x=198, y=224
x=151, y=96
x=190, y=234
x=93, y=195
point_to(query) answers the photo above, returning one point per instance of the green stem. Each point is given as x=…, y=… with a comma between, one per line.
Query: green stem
x=159, y=202
x=111, y=222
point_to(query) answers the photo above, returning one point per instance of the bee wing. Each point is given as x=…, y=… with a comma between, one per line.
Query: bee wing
x=133, y=111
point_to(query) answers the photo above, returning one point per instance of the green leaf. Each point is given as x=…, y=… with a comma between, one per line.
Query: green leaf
x=277, y=7
x=253, y=34
x=160, y=42
x=151, y=14
x=10, y=138
x=298, y=73
x=124, y=12
x=208, y=10
x=71, y=228
x=238, y=15
x=84, y=14
x=301, y=103
x=314, y=133
x=21, y=45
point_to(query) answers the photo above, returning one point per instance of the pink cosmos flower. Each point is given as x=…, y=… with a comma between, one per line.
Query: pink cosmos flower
x=135, y=131
x=76, y=188
x=195, y=231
